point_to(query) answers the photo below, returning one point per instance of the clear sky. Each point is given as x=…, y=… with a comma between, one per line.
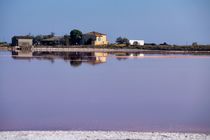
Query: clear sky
x=172, y=21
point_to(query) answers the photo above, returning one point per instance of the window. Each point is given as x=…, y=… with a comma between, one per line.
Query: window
x=99, y=39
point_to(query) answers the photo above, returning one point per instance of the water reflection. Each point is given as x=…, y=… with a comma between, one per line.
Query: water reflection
x=138, y=95
x=75, y=58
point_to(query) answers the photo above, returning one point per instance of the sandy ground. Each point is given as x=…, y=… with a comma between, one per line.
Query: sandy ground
x=99, y=135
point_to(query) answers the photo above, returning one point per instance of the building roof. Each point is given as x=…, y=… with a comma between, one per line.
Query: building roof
x=23, y=37
x=95, y=34
x=54, y=38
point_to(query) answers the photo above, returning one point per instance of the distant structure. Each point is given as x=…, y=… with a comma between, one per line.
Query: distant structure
x=53, y=41
x=150, y=44
x=136, y=42
x=91, y=38
x=164, y=44
x=94, y=38
x=22, y=41
x=67, y=40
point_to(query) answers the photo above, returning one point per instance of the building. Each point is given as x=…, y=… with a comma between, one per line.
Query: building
x=136, y=42
x=22, y=41
x=53, y=41
x=67, y=40
x=94, y=38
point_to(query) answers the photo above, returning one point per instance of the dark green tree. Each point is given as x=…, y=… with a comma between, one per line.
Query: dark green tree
x=52, y=34
x=76, y=63
x=76, y=37
x=194, y=44
x=121, y=40
x=135, y=43
x=125, y=41
x=89, y=41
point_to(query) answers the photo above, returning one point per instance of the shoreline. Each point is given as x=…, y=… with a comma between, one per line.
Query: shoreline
x=99, y=135
x=120, y=50
x=108, y=50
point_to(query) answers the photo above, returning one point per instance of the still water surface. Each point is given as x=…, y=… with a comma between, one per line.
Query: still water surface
x=100, y=91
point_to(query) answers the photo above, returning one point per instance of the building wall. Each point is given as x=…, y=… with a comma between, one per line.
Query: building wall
x=25, y=42
x=67, y=40
x=140, y=42
x=101, y=40
x=95, y=40
x=14, y=41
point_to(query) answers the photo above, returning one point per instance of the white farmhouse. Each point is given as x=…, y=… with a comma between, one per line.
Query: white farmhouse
x=136, y=42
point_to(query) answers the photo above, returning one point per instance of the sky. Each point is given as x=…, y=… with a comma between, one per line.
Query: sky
x=155, y=21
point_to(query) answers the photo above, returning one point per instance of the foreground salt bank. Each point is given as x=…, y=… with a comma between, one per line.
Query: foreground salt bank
x=99, y=135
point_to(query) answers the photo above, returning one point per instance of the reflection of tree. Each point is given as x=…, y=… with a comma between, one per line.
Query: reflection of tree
x=75, y=63
x=118, y=58
x=121, y=56
x=75, y=58
x=52, y=61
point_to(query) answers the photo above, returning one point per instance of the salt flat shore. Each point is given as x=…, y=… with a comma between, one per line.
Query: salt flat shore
x=99, y=135
x=107, y=50
x=111, y=50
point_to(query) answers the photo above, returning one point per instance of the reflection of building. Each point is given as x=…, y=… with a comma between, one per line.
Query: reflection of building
x=88, y=57
x=94, y=38
x=75, y=58
x=22, y=54
x=120, y=56
x=25, y=41
x=100, y=57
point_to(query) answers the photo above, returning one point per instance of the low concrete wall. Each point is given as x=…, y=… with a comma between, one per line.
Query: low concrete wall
x=80, y=49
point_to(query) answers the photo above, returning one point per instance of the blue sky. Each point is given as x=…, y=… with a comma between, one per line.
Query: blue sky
x=172, y=21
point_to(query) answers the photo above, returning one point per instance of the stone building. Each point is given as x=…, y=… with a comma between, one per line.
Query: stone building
x=22, y=41
x=94, y=38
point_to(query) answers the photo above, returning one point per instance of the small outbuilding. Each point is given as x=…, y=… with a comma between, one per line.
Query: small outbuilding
x=22, y=41
x=136, y=42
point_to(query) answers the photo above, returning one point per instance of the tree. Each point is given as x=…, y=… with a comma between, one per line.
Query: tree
x=164, y=43
x=135, y=43
x=76, y=36
x=125, y=41
x=52, y=34
x=194, y=44
x=121, y=40
x=37, y=39
x=89, y=41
